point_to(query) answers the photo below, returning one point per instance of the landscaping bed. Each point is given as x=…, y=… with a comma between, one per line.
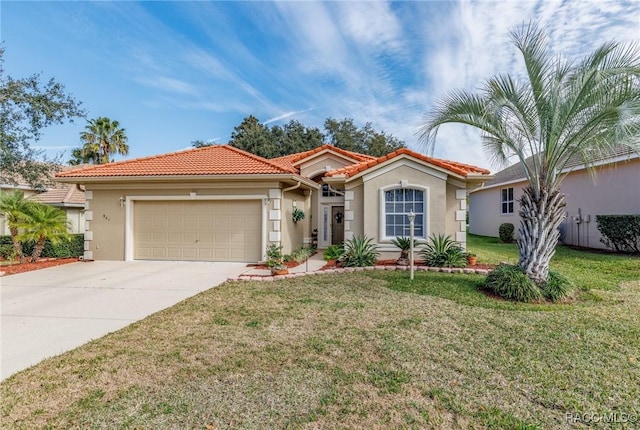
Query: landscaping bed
x=14, y=268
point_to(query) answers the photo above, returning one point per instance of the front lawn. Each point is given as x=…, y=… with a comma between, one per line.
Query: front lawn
x=356, y=350
x=588, y=270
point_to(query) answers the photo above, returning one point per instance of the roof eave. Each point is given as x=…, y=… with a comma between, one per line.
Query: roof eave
x=187, y=178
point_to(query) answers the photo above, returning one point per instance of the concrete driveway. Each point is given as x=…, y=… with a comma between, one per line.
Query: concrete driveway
x=47, y=312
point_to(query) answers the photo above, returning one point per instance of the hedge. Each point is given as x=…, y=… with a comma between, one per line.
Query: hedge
x=620, y=232
x=71, y=248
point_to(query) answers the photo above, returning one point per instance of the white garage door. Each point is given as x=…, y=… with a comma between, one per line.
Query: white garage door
x=198, y=231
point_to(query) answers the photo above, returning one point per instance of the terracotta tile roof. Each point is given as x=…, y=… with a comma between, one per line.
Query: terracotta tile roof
x=62, y=195
x=290, y=160
x=453, y=166
x=210, y=160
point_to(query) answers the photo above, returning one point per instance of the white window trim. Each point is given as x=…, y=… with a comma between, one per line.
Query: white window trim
x=129, y=214
x=382, y=231
x=513, y=201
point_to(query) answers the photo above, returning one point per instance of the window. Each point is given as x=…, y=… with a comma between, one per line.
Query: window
x=331, y=192
x=506, y=201
x=397, y=205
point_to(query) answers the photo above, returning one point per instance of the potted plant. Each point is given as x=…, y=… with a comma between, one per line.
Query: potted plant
x=275, y=260
x=297, y=215
x=404, y=243
x=472, y=259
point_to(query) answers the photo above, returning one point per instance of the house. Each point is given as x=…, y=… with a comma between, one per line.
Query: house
x=70, y=199
x=219, y=203
x=67, y=197
x=614, y=189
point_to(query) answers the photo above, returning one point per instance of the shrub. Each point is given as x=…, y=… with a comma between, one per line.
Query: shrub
x=404, y=243
x=274, y=257
x=333, y=252
x=512, y=283
x=505, y=231
x=302, y=254
x=359, y=251
x=442, y=251
x=72, y=248
x=8, y=252
x=557, y=286
x=620, y=232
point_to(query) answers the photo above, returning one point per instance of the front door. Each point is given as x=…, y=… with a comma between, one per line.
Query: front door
x=337, y=225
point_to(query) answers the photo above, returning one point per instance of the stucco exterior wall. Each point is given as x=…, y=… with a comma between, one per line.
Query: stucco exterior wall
x=436, y=211
x=295, y=234
x=484, y=211
x=75, y=217
x=356, y=206
x=615, y=189
x=314, y=166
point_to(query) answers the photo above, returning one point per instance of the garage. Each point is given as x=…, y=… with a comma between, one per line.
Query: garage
x=210, y=230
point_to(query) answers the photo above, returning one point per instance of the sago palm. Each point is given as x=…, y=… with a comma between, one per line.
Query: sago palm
x=12, y=208
x=562, y=111
x=102, y=138
x=42, y=222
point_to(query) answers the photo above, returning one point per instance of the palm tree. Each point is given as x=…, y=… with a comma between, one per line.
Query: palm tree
x=42, y=222
x=563, y=110
x=102, y=138
x=13, y=207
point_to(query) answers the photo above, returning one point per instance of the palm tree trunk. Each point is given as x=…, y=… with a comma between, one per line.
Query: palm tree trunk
x=541, y=216
x=37, y=250
x=17, y=245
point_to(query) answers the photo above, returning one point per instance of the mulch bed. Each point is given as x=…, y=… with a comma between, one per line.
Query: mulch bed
x=12, y=269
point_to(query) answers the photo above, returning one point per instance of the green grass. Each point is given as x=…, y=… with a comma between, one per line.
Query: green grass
x=357, y=350
x=588, y=270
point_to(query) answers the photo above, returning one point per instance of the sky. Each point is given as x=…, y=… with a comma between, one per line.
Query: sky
x=175, y=71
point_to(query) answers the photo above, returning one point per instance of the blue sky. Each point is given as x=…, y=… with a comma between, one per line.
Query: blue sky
x=173, y=72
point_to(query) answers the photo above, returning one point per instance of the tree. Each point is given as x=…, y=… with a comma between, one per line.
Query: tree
x=13, y=207
x=198, y=143
x=102, y=138
x=41, y=222
x=254, y=137
x=562, y=110
x=294, y=137
x=81, y=157
x=345, y=134
x=26, y=107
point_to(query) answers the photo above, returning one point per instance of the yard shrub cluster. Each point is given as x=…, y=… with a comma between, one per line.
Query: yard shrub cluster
x=442, y=251
x=72, y=248
x=512, y=283
x=359, y=251
x=620, y=232
x=333, y=252
x=505, y=232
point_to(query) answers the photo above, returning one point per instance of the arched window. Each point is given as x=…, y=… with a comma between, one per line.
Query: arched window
x=398, y=203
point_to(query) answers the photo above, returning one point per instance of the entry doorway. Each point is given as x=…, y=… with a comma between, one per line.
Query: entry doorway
x=337, y=225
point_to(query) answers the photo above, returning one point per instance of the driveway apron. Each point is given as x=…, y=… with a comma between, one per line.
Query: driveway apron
x=50, y=311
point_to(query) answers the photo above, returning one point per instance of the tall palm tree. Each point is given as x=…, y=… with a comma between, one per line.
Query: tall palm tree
x=42, y=222
x=13, y=207
x=102, y=138
x=562, y=110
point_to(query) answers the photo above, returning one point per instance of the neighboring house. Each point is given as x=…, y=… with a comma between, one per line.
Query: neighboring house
x=614, y=189
x=64, y=196
x=219, y=203
x=69, y=198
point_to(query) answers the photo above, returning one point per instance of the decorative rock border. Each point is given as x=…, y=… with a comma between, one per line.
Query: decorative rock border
x=465, y=270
